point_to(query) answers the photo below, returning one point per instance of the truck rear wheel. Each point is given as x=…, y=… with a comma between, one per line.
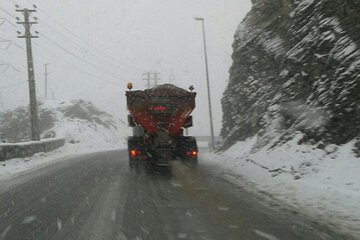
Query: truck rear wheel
x=136, y=151
x=187, y=150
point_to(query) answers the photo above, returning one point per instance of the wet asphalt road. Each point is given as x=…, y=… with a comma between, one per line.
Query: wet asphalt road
x=96, y=196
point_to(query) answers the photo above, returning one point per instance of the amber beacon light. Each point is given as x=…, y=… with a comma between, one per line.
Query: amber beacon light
x=130, y=86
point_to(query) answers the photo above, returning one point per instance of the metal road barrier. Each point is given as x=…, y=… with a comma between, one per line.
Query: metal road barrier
x=28, y=149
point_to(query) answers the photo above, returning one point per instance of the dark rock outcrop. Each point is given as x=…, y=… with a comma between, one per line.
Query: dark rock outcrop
x=296, y=68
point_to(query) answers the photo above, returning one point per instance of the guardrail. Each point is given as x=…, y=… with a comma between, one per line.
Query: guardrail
x=28, y=149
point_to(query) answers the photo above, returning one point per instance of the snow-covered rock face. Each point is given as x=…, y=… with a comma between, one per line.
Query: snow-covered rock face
x=296, y=67
x=78, y=121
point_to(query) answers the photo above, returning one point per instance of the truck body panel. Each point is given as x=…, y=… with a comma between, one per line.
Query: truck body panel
x=164, y=104
x=158, y=117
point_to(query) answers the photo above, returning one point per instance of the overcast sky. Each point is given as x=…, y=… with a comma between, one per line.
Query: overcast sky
x=95, y=47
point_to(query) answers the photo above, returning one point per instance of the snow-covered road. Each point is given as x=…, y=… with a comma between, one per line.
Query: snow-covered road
x=96, y=196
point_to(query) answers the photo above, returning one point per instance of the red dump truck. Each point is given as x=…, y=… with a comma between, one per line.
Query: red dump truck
x=158, y=117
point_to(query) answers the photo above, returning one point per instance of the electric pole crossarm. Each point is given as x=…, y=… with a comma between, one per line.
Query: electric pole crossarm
x=25, y=10
x=31, y=23
x=28, y=37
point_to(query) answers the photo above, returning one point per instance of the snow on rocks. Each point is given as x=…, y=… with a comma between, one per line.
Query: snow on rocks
x=311, y=58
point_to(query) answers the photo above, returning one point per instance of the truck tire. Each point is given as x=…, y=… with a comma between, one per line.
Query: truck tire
x=187, y=150
x=135, y=144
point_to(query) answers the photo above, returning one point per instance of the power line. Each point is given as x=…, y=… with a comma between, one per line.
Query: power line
x=8, y=13
x=17, y=45
x=67, y=40
x=15, y=69
x=76, y=56
x=9, y=43
x=63, y=48
x=70, y=64
x=12, y=25
x=81, y=39
x=3, y=21
x=11, y=15
x=68, y=52
x=75, y=67
x=81, y=47
x=8, y=66
x=13, y=85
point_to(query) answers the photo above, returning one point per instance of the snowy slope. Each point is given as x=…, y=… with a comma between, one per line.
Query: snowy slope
x=85, y=128
x=79, y=122
x=291, y=110
x=323, y=183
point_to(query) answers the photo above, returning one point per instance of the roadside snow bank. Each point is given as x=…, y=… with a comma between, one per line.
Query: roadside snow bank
x=18, y=166
x=82, y=124
x=28, y=149
x=322, y=183
x=84, y=127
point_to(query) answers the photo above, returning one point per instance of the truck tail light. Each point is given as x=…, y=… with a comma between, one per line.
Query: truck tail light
x=133, y=153
x=192, y=153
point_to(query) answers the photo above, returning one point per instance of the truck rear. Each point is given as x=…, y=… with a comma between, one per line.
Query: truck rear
x=158, y=117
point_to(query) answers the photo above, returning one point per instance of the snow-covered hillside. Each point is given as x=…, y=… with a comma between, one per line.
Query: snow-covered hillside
x=322, y=183
x=291, y=123
x=296, y=67
x=85, y=128
x=79, y=122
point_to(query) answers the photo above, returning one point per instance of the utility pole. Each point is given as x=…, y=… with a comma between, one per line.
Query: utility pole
x=46, y=74
x=35, y=134
x=151, y=77
x=171, y=77
x=2, y=103
x=208, y=83
x=156, y=78
x=147, y=79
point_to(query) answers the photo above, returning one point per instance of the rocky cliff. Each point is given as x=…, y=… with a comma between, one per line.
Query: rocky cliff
x=296, y=69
